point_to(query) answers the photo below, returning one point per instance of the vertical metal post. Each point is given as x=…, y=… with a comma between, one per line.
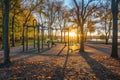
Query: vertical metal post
x=38, y=37
x=34, y=32
x=42, y=35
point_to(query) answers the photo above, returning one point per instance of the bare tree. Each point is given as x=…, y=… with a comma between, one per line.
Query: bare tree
x=51, y=17
x=60, y=11
x=83, y=10
x=106, y=19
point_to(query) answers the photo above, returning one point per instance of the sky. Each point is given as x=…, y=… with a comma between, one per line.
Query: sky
x=67, y=2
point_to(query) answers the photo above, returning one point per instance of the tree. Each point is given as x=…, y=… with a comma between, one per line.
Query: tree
x=90, y=27
x=15, y=11
x=106, y=19
x=6, y=7
x=51, y=17
x=60, y=11
x=74, y=20
x=83, y=10
x=114, y=8
x=1, y=17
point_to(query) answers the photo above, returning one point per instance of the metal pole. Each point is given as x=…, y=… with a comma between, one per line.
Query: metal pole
x=23, y=39
x=38, y=39
x=34, y=32
x=42, y=36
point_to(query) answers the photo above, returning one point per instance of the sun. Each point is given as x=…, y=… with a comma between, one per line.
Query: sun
x=72, y=34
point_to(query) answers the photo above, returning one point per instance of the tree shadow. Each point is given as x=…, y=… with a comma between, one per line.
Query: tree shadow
x=105, y=50
x=101, y=72
x=66, y=60
x=44, y=50
x=60, y=51
x=32, y=71
x=21, y=53
x=60, y=71
x=18, y=56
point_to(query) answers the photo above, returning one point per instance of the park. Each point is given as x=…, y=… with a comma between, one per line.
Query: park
x=59, y=40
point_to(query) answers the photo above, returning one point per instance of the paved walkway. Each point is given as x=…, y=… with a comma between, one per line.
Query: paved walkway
x=57, y=64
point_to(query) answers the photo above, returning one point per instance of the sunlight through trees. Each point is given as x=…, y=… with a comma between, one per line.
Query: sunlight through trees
x=44, y=23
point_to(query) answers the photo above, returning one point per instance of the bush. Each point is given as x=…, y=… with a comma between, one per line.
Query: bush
x=102, y=36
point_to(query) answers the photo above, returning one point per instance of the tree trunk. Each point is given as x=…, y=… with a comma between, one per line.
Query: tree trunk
x=6, y=32
x=23, y=38
x=77, y=35
x=106, y=40
x=55, y=34
x=2, y=25
x=106, y=33
x=85, y=36
x=90, y=36
x=13, y=37
x=114, y=39
x=26, y=38
x=52, y=38
x=114, y=53
x=82, y=40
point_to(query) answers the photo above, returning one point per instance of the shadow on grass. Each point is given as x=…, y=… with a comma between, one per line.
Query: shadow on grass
x=101, y=72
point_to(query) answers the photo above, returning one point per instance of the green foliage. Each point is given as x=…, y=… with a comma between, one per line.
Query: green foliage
x=102, y=36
